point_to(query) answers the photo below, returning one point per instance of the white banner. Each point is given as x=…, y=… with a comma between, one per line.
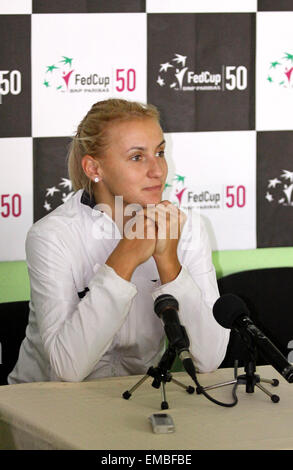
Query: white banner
x=15, y=7
x=214, y=173
x=79, y=59
x=274, y=71
x=16, y=196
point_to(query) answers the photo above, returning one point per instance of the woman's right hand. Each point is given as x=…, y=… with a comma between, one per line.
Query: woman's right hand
x=137, y=246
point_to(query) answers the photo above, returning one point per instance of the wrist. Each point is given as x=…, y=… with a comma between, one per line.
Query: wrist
x=168, y=269
x=121, y=265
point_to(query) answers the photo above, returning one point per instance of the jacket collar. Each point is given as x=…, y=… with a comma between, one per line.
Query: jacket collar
x=87, y=200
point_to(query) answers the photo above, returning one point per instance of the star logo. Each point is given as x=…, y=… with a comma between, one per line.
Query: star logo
x=174, y=77
x=160, y=81
x=64, y=194
x=280, y=189
x=51, y=191
x=180, y=179
x=66, y=183
x=274, y=64
x=178, y=190
x=288, y=56
x=269, y=197
x=50, y=68
x=58, y=77
x=180, y=59
x=164, y=67
x=47, y=206
x=287, y=175
x=66, y=61
x=280, y=71
x=273, y=183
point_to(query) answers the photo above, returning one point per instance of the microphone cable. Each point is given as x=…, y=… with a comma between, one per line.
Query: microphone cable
x=190, y=369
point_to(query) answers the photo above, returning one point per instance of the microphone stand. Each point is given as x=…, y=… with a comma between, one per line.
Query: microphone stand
x=161, y=375
x=249, y=379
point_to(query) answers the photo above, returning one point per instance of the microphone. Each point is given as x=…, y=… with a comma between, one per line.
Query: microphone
x=166, y=307
x=231, y=312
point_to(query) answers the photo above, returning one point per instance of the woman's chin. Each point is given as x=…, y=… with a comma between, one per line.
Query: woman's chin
x=145, y=200
x=154, y=198
x=152, y=201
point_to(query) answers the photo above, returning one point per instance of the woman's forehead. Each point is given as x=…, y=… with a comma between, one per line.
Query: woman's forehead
x=135, y=132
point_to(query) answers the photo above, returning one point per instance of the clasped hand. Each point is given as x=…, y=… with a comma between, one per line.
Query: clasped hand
x=154, y=231
x=166, y=222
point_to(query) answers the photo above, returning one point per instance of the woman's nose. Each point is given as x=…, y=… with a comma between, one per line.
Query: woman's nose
x=155, y=167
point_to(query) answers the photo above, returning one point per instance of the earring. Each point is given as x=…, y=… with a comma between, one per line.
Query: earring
x=97, y=179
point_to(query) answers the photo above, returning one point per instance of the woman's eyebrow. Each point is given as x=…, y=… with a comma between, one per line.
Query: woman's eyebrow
x=137, y=147
x=163, y=142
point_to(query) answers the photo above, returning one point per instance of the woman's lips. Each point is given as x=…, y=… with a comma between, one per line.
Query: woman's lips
x=153, y=188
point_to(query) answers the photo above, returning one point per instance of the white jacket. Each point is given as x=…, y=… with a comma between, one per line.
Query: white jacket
x=87, y=322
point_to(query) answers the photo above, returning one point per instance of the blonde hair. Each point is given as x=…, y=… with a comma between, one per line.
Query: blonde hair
x=91, y=136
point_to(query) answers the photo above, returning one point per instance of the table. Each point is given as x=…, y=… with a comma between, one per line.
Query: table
x=93, y=415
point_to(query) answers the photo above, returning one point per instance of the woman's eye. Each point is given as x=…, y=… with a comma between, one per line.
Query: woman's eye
x=136, y=158
x=161, y=153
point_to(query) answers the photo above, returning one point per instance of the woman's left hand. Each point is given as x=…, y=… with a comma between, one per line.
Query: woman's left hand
x=169, y=222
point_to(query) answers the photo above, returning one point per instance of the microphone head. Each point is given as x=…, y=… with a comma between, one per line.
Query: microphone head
x=228, y=308
x=165, y=301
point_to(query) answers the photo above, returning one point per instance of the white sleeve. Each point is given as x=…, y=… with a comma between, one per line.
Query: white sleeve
x=196, y=291
x=75, y=333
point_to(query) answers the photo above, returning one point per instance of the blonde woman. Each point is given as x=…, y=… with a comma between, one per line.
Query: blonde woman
x=98, y=262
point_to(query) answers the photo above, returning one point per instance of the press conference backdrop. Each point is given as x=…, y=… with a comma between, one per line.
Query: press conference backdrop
x=220, y=72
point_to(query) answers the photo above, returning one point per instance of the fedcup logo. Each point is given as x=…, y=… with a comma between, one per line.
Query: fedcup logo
x=280, y=71
x=62, y=76
x=57, y=75
x=176, y=74
x=164, y=222
x=186, y=196
x=280, y=189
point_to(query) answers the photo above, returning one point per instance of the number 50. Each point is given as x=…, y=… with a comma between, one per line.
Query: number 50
x=237, y=196
x=236, y=77
x=127, y=79
x=11, y=84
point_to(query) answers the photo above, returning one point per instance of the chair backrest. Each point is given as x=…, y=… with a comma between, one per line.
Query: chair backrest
x=13, y=322
x=268, y=293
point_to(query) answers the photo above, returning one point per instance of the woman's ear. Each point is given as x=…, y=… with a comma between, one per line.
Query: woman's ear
x=91, y=168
